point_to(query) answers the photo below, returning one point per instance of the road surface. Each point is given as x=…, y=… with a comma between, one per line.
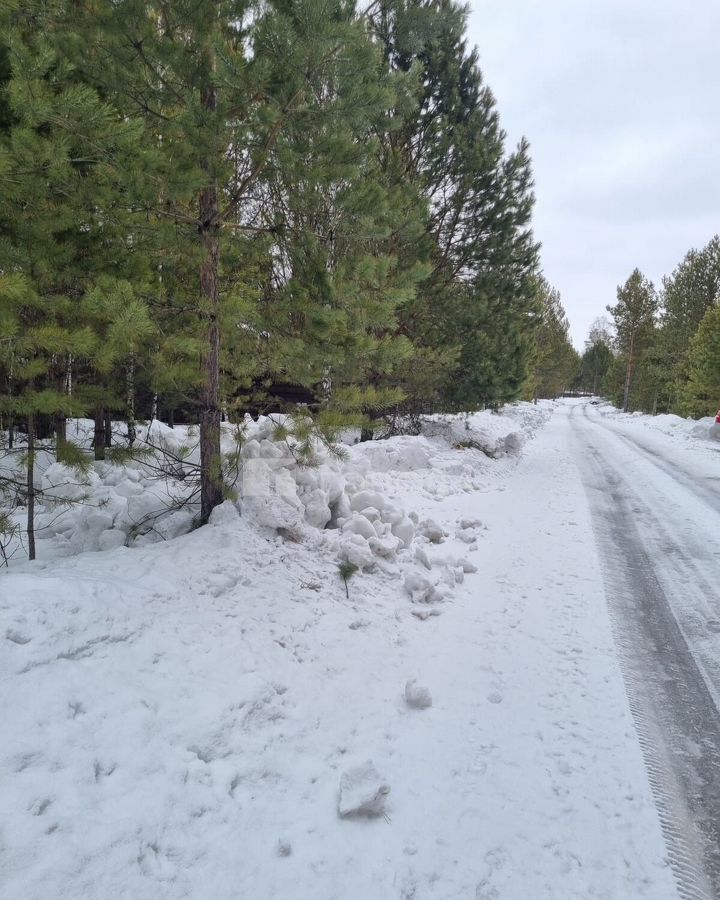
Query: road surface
x=657, y=524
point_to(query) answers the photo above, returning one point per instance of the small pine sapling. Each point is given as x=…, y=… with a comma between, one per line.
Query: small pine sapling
x=347, y=570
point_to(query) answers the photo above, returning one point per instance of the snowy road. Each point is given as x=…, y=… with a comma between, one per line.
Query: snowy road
x=656, y=514
x=181, y=714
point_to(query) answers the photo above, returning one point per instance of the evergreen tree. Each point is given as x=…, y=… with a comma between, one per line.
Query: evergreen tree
x=555, y=361
x=470, y=318
x=634, y=321
x=219, y=84
x=687, y=294
x=329, y=305
x=701, y=392
x=58, y=225
x=594, y=365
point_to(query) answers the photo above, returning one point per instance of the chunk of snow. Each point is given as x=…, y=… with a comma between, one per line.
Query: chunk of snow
x=386, y=547
x=432, y=531
x=356, y=550
x=224, y=513
x=359, y=525
x=362, y=792
x=470, y=523
x=417, y=696
x=363, y=499
x=317, y=509
x=405, y=530
x=177, y=523
x=422, y=589
x=392, y=515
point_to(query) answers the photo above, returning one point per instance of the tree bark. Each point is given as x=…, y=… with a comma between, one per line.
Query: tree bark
x=108, y=429
x=31, y=486
x=130, y=401
x=211, y=489
x=99, y=440
x=629, y=374
x=60, y=436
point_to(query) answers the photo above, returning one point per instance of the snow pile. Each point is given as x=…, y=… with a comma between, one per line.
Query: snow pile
x=496, y=434
x=666, y=423
x=351, y=505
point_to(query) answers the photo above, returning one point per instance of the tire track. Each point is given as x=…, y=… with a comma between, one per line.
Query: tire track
x=672, y=701
x=669, y=467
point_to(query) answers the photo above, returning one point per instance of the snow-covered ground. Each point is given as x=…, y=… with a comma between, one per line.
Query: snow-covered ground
x=697, y=432
x=211, y=715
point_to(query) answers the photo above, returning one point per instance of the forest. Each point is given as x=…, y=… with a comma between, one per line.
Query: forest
x=219, y=208
x=666, y=340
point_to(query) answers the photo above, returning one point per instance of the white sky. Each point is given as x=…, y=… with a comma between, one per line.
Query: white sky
x=620, y=100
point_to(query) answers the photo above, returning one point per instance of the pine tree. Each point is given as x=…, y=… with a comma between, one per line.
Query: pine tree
x=594, y=365
x=218, y=83
x=701, y=392
x=329, y=306
x=687, y=294
x=471, y=316
x=634, y=320
x=59, y=229
x=555, y=362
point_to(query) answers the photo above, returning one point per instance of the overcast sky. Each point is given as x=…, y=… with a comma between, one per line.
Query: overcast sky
x=620, y=100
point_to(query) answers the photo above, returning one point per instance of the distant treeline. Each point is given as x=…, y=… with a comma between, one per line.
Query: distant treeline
x=661, y=353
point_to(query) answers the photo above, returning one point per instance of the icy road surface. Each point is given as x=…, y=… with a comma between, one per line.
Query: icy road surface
x=177, y=719
x=656, y=513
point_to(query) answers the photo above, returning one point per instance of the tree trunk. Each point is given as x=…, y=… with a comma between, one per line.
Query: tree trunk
x=31, y=486
x=11, y=433
x=60, y=436
x=99, y=441
x=629, y=374
x=171, y=418
x=211, y=491
x=366, y=434
x=130, y=401
x=108, y=429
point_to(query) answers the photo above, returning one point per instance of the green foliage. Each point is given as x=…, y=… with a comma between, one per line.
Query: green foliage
x=701, y=392
x=659, y=365
x=347, y=570
x=555, y=362
x=634, y=321
x=595, y=364
x=205, y=198
x=467, y=215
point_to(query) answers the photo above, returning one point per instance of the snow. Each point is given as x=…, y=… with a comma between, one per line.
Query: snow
x=362, y=792
x=693, y=431
x=207, y=713
x=416, y=695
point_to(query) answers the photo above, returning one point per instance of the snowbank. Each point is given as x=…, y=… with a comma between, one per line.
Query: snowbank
x=666, y=423
x=352, y=505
